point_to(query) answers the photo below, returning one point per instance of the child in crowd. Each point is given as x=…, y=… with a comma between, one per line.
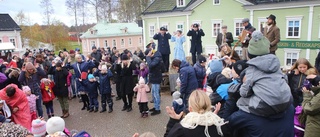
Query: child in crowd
x=38, y=128
x=5, y=111
x=13, y=63
x=142, y=97
x=200, y=70
x=177, y=102
x=143, y=71
x=178, y=84
x=47, y=95
x=296, y=76
x=104, y=75
x=32, y=101
x=92, y=86
x=227, y=73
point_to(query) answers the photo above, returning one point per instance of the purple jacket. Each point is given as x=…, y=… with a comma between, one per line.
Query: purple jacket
x=3, y=77
x=142, y=73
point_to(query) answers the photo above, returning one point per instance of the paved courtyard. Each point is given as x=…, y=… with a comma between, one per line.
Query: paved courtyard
x=118, y=123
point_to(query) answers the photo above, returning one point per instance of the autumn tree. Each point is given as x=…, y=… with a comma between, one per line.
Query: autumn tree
x=72, y=6
x=129, y=11
x=47, y=10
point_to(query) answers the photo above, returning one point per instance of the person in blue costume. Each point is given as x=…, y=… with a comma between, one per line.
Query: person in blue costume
x=178, y=39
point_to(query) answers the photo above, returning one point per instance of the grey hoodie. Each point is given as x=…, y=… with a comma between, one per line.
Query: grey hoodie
x=265, y=91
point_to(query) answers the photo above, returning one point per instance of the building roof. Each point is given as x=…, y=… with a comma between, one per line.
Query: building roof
x=104, y=29
x=7, y=23
x=158, y=6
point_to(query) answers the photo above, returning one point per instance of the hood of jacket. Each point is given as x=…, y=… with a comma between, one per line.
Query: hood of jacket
x=267, y=63
x=184, y=64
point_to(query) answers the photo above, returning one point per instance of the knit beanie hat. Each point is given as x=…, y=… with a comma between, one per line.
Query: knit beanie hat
x=216, y=66
x=258, y=45
x=38, y=128
x=141, y=80
x=176, y=95
x=202, y=59
x=29, y=65
x=90, y=76
x=26, y=89
x=142, y=65
x=239, y=66
x=55, y=124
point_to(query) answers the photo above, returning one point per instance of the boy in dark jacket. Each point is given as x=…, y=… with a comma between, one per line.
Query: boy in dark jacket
x=92, y=88
x=105, y=88
x=200, y=69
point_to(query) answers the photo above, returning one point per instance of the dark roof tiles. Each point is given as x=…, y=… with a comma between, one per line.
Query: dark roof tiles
x=7, y=23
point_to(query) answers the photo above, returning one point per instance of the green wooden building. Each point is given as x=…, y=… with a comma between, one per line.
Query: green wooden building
x=298, y=20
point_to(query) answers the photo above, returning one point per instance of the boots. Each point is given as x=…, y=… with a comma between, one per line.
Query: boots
x=110, y=107
x=63, y=113
x=66, y=114
x=96, y=110
x=84, y=107
x=103, y=106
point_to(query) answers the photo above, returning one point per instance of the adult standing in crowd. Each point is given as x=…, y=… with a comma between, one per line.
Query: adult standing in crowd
x=31, y=76
x=272, y=33
x=163, y=37
x=96, y=54
x=224, y=37
x=196, y=44
x=155, y=78
x=249, y=29
x=188, y=78
x=60, y=88
x=179, y=39
x=72, y=59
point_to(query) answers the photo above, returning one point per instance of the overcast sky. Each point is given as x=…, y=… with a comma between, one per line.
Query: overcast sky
x=32, y=9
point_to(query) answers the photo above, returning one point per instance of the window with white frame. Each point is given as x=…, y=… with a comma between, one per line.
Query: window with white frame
x=151, y=30
x=106, y=43
x=122, y=42
x=293, y=27
x=291, y=56
x=166, y=25
x=216, y=2
x=262, y=23
x=239, y=51
x=238, y=27
x=216, y=27
x=13, y=41
x=130, y=41
x=114, y=43
x=181, y=3
x=93, y=43
x=180, y=26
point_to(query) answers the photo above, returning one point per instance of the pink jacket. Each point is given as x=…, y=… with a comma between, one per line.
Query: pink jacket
x=32, y=102
x=142, y=92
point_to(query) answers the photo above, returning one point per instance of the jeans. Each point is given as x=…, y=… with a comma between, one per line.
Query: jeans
x=49, y=107
x=155, y=89
x=94, y=102
x=39, y=105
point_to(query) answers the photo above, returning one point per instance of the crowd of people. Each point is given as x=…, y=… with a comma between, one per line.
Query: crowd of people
x=223, y=95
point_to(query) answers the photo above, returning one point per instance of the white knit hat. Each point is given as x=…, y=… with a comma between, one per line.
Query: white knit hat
x=141, y=80
x=55, y=124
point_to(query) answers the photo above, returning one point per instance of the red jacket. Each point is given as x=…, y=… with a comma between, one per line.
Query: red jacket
x=13, y=64
x=47, y=95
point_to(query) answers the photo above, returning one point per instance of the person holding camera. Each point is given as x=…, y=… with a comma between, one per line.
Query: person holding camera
x=163, y=37
x=196, y=44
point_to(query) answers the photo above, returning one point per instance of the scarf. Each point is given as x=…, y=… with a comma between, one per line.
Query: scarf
x=193, y=119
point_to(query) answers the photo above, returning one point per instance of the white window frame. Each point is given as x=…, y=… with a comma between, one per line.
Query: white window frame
x=165, y=24
x=154, y=30
x=239, y=51
x=212, y=25
x=183, y=4
x=92, y=43
x=177, y=26
x=262, y=20
x=14, y=41
x=293, y=18
x=292, y=51
x=106, y=43
x=122, y=42
x=130, y=41
x=234, y=26
x=213, y=2
x=114, y=43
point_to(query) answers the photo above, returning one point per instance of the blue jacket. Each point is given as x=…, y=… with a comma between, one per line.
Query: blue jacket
x=222, y=90
x=155, y=74
x=84, y=67
x=104, y=80
x=163, y=42
x=34, y=81
x=92, y=88
x=200, y=73
x=188, y=78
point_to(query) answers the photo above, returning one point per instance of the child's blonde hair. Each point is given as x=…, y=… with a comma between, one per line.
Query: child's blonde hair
x=199, y=102
x=301, y=61
x=226, y=72
x=312, y=71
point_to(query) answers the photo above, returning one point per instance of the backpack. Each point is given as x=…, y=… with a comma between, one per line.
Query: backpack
x=82, y=134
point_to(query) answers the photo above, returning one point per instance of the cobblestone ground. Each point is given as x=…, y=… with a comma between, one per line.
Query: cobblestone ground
x=118, y=123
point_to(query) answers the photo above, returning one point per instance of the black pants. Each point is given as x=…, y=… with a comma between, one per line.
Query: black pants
x=106, y=98
x=194, y=57
x=165, y=58
x=118, y=89
x=127, y=102
x=85, y=100
x=143, y=107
